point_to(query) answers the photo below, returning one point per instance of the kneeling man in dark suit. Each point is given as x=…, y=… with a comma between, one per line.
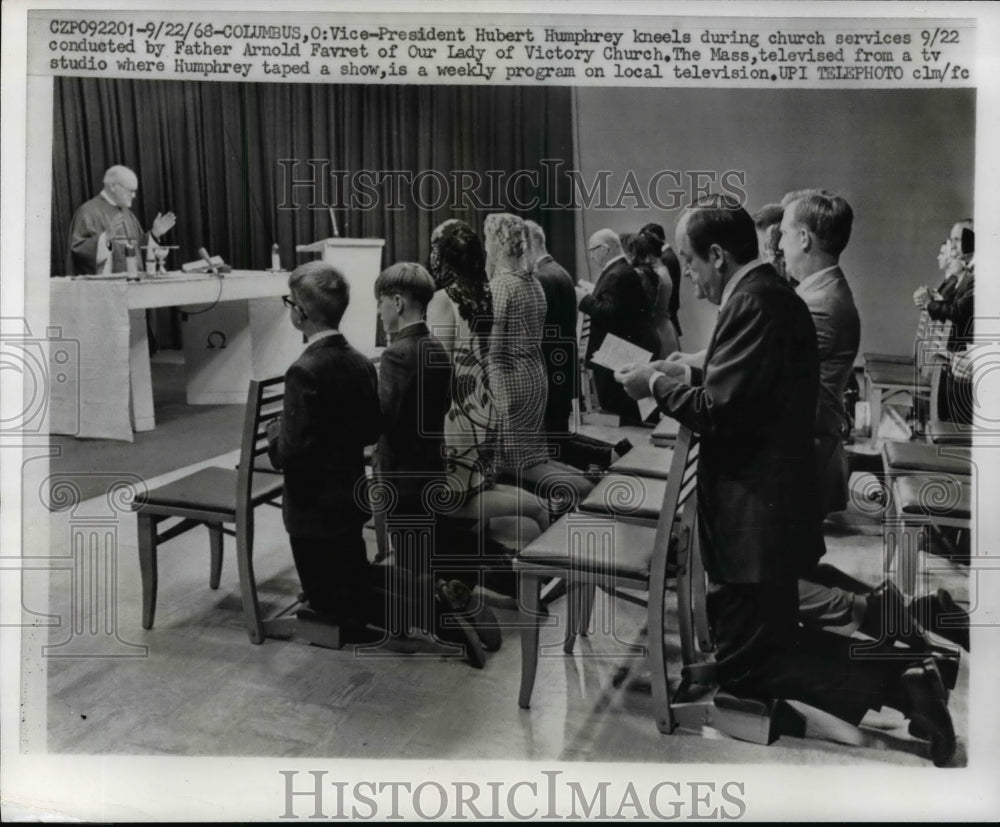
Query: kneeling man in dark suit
x=754, y=407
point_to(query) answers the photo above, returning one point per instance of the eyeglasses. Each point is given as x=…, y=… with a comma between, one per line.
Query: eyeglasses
x=287, y=301
x=596, y=247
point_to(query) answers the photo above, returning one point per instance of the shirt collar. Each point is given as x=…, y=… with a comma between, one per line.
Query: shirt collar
x=611, y=261
x=107, y=198
x=808, y=281
x=542, y=259
x=322, y=334
x=737, y=278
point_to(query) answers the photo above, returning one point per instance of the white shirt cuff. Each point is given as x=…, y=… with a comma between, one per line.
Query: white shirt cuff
x=652, y=381
x=657, y=375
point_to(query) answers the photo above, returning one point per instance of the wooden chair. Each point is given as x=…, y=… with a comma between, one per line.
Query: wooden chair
x=615, y=555
x=217, y=498
x=886, y=380
x=941, y=431
x=930, y=486
x=645, y=461
x=921, y=504
x=665, y=432
x=629, y=497
x=593, y=550
x=901, y=459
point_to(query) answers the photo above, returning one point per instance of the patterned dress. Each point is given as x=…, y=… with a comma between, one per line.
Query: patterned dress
x=471, y=422
x=517, y=370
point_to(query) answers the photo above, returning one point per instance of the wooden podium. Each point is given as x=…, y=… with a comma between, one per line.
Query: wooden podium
x=360, y=260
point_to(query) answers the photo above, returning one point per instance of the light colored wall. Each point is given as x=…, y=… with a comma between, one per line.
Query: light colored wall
x=904, y=160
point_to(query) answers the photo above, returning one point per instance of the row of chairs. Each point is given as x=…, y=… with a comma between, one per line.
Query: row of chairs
x=224, y=499
x=634, y=532
x=927, y=484
x=930, y=490
x=916, y=379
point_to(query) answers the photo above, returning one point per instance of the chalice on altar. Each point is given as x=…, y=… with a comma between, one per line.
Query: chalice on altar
x=161, y=254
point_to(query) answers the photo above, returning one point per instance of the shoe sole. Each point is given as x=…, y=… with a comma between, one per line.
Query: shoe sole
x=922, y=716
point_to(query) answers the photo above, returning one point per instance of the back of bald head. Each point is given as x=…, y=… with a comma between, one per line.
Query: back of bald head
x=607, y=237
x=536, y=236
x=120, y=175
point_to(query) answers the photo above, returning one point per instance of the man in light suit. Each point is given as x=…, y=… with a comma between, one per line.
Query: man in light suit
x=617, y=305
x=815, y=229
x=754, y=407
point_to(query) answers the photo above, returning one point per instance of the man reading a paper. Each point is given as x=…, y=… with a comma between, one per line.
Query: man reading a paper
x=104, y=227
x=617, y=305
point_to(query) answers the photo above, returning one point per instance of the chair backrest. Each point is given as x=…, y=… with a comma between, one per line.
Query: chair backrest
x=938, y=429
x=922, y=322
x=935, y=338
x=265, y=398
x=680, y=499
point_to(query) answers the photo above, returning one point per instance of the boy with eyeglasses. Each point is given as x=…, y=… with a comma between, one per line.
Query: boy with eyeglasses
x=330, y=413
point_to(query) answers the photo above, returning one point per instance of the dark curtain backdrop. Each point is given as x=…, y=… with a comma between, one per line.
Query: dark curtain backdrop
x=210, y=152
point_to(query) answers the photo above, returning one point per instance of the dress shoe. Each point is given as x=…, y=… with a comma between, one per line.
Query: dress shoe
x=947, y=666
x=473, y=608
x=361, y=634
x=450, y=626
x=486, y=625
x=940, y=614
x=887, y=619
x=928, y=710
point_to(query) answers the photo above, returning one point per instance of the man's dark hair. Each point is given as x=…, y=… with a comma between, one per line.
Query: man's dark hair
x=768, y=215
x=322, y=291
x=719, y=219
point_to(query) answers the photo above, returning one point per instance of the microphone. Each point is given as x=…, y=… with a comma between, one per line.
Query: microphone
x=212, y=267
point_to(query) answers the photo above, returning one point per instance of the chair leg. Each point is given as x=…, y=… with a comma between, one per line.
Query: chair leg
x=215, y=540
x=909, y=559
x=248, y=585
x=702, y=627
x=875, y=408
x=573, y=598
x=147, y=567
x=658, y=664
x=529, y=603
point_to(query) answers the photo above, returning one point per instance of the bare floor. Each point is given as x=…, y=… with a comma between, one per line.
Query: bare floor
x=199, y=687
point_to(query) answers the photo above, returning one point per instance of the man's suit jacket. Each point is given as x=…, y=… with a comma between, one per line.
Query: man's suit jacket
x=619, y=305
x=330, y=413
x=559, y=346
x=957, y=307
x=838, y=335
x=673, y=265
x=754, y=406
x=415, y=393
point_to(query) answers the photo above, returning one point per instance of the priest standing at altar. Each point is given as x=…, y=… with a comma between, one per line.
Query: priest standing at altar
x=103, y=227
